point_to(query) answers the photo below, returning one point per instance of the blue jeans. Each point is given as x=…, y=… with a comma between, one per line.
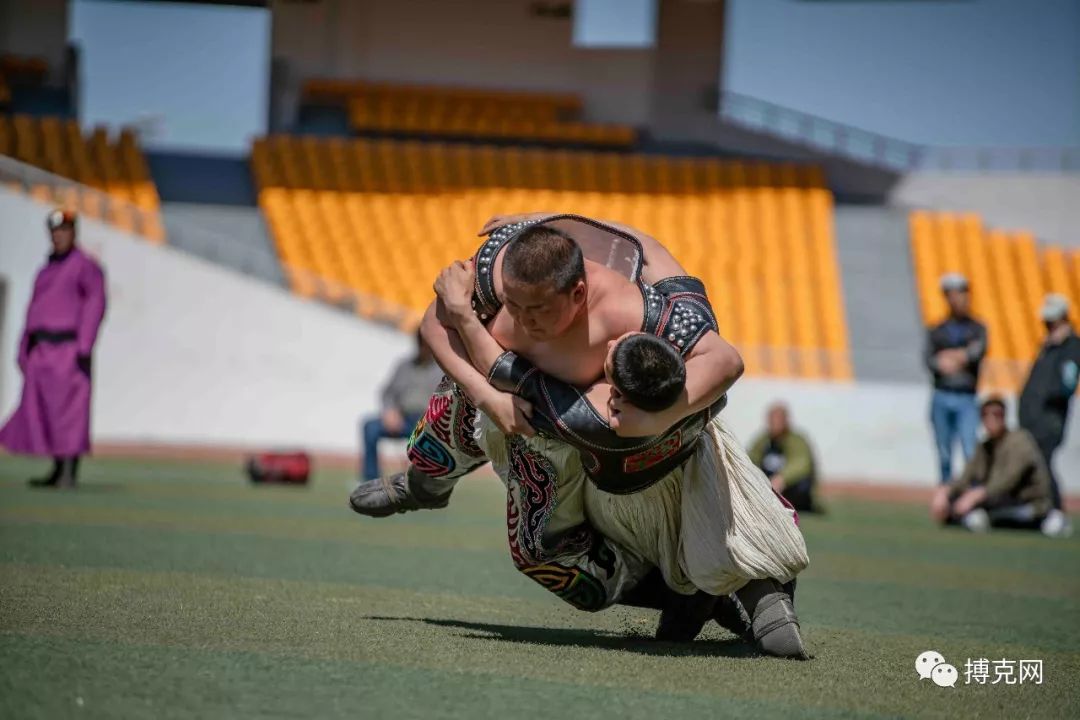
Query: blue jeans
x=372, y=431
x=953, y=414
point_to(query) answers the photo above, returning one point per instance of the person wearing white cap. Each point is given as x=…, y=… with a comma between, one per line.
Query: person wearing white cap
x=1051, y=384
x=954, y=353
x=62, y=321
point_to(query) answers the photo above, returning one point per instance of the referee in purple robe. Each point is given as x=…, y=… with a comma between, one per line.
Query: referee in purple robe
x=66, y=309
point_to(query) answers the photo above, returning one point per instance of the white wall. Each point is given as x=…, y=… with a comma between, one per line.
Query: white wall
x=876, y=432
x=192, y=353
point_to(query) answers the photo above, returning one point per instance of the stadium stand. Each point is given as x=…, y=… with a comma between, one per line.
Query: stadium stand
x=1009, y=275
x=549, y=118
x=366, y=218
x=113, y=165
x=20, y=70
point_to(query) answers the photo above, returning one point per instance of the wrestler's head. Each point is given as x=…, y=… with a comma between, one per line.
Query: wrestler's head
x=645, y=370
x=544, y=286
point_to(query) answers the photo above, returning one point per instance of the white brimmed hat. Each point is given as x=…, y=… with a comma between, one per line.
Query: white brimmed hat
x=1055, y=307
x=953, y=281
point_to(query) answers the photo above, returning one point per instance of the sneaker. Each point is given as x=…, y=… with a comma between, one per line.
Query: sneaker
x=977, y=521
x=1056, y=525
x=386, y=496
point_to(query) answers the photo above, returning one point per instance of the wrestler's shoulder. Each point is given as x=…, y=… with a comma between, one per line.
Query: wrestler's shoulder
x=620, y=306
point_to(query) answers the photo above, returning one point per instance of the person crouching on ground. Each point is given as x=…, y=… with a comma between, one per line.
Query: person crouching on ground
x=784, y=455
x=1006, y=484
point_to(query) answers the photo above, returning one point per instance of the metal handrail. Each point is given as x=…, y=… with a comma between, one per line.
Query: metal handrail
x=823, y=134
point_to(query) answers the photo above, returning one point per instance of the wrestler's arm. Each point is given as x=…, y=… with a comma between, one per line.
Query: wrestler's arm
x=510, y=413
x=479, y=343
x=451, y=354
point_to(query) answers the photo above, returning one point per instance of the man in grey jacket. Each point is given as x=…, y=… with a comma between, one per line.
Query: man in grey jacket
x=404, y=400
x=954, y=353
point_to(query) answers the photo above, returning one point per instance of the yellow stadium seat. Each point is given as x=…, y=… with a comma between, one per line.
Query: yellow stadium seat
x=367, y=218
x=1009, y=273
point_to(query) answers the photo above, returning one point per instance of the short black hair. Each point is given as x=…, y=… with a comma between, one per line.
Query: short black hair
x=544, y=256
x=992, y=401
x=648, y=371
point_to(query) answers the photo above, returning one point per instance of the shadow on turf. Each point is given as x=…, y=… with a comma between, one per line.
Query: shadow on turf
x=562, y=637
x=92, y=488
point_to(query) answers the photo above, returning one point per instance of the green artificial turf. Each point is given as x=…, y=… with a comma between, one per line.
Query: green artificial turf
x=164, y=590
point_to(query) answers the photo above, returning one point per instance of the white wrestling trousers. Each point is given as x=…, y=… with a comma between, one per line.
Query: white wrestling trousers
x=712, y=524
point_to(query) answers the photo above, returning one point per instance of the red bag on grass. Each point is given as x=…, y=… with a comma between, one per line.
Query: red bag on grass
x=286, y=468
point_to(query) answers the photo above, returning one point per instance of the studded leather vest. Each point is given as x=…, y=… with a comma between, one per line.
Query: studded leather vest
x=599, y=242
x=675, y=309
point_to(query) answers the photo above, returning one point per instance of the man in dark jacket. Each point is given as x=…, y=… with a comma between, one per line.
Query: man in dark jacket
x=1006, y=484
x=954, y=353
x=1048, y=392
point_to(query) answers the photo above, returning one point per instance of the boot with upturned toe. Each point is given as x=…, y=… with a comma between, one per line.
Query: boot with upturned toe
x=63, y=475
x=47, y=480
x=397, y=493
x=730, y=615
x=773, y=621
x=68, y=477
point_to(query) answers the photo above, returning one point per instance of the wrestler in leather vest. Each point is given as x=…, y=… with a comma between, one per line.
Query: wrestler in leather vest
x=676, y=309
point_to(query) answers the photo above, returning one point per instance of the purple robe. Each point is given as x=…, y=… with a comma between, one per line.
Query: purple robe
x=53, y=417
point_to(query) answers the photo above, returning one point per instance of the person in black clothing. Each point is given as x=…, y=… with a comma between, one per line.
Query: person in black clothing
x=1048, y=392
x=954, y=353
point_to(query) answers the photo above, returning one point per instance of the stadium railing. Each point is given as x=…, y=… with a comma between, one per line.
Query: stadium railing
x=829, y=136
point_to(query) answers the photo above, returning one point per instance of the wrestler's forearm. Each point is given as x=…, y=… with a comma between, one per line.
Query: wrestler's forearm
x=453, y=357
x=482, y=347
x=710, y=372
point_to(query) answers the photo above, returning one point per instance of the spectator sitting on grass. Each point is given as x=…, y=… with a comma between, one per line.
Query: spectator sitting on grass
x=1006, y=483
x=784, y=455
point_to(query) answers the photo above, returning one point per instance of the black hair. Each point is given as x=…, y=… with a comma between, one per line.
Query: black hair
x=648, y=371
x=992, y=401
x=544, y=256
